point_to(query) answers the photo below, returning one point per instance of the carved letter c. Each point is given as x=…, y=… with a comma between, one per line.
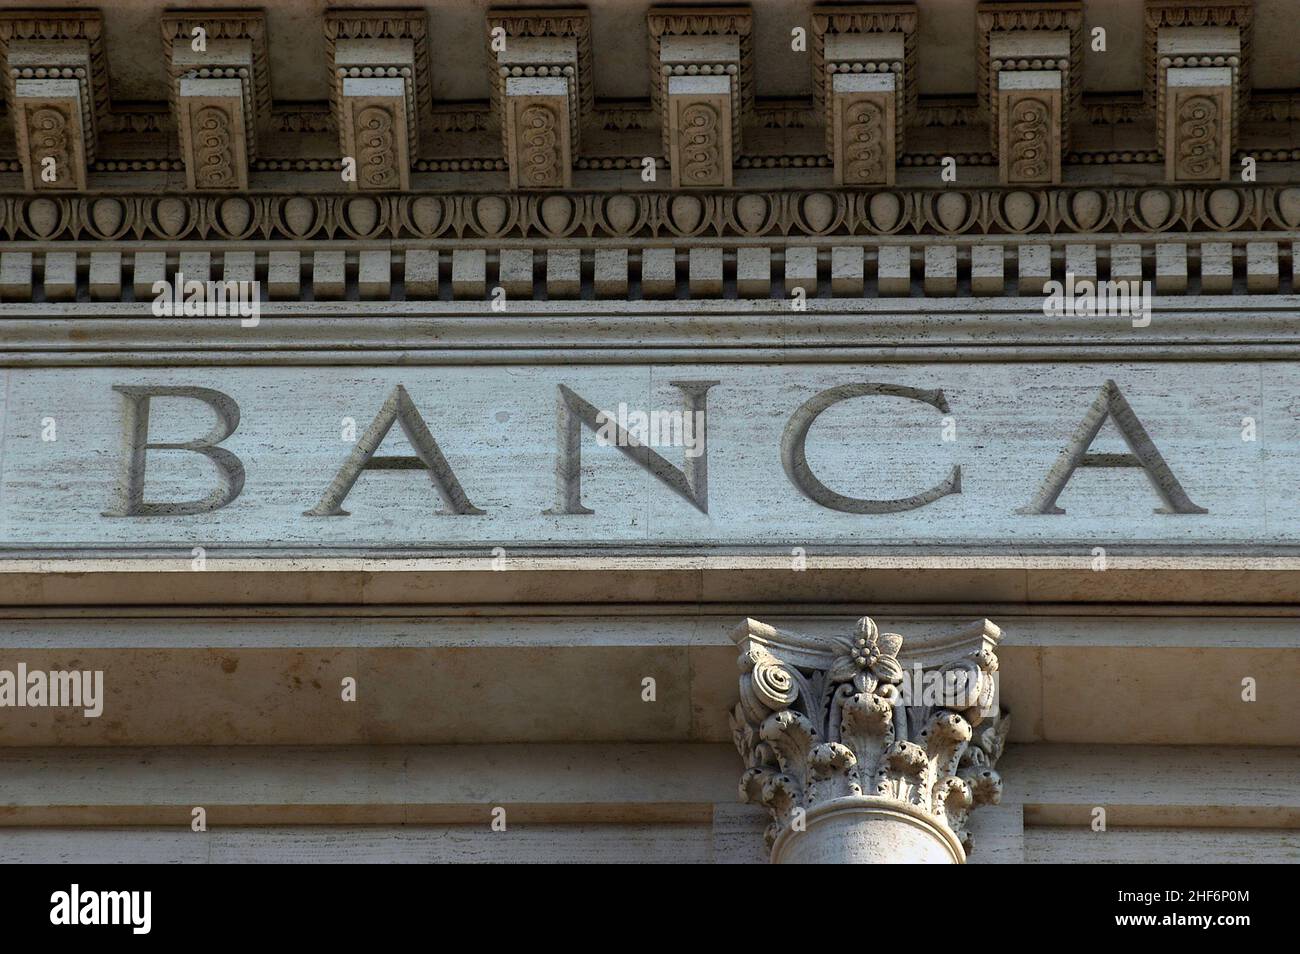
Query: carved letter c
x=795, y=459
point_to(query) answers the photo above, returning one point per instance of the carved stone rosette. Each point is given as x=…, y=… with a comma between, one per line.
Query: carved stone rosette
x=863, y=758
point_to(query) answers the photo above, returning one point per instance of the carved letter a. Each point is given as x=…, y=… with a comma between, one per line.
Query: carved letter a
x=1111, y=403
x=399, y=408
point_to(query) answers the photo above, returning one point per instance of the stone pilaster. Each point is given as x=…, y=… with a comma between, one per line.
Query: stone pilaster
x=863, y=66
x=863, y=756
x=220, y=93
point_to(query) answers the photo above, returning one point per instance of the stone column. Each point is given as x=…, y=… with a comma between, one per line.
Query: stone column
x=862, y=758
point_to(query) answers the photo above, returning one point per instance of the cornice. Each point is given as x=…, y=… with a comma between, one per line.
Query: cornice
x=464, y=138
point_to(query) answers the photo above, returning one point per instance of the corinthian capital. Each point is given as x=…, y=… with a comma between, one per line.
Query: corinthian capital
x=863, y=753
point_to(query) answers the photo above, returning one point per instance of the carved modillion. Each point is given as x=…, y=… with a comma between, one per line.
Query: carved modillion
x=220, y=93
x=1198, y=101
x=53, y=112
x=1030, y=74
x=862, y=56
x=701, y=89
x=541, y=90
x=378, y=130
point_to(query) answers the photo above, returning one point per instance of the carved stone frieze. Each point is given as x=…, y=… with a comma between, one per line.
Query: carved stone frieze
x=862, y=752
x=1175, y=210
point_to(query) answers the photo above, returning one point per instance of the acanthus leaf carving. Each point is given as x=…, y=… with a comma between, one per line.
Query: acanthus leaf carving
x=821, y=720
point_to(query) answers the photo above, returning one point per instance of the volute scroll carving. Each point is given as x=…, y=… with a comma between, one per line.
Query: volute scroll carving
x=829, y=727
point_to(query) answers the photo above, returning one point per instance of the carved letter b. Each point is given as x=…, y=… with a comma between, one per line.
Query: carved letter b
x=130, y=493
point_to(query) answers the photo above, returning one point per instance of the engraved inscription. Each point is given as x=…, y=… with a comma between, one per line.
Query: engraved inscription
x=230, y=470
x=691, y=481
x=401, y=410
x=795, y=459
x=1111, y=404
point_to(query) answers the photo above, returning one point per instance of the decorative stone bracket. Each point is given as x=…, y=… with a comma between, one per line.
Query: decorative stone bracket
x=380, y=92
x=1197, y=97
x=541, y=91
x=220, y=93
x=863, y=757
x=1197, y=56
x=55, y=79
x=863, y=80
x=702, y=87
x=1030, y=79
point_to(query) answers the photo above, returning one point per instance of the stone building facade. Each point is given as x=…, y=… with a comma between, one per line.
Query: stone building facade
x=777, y=432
